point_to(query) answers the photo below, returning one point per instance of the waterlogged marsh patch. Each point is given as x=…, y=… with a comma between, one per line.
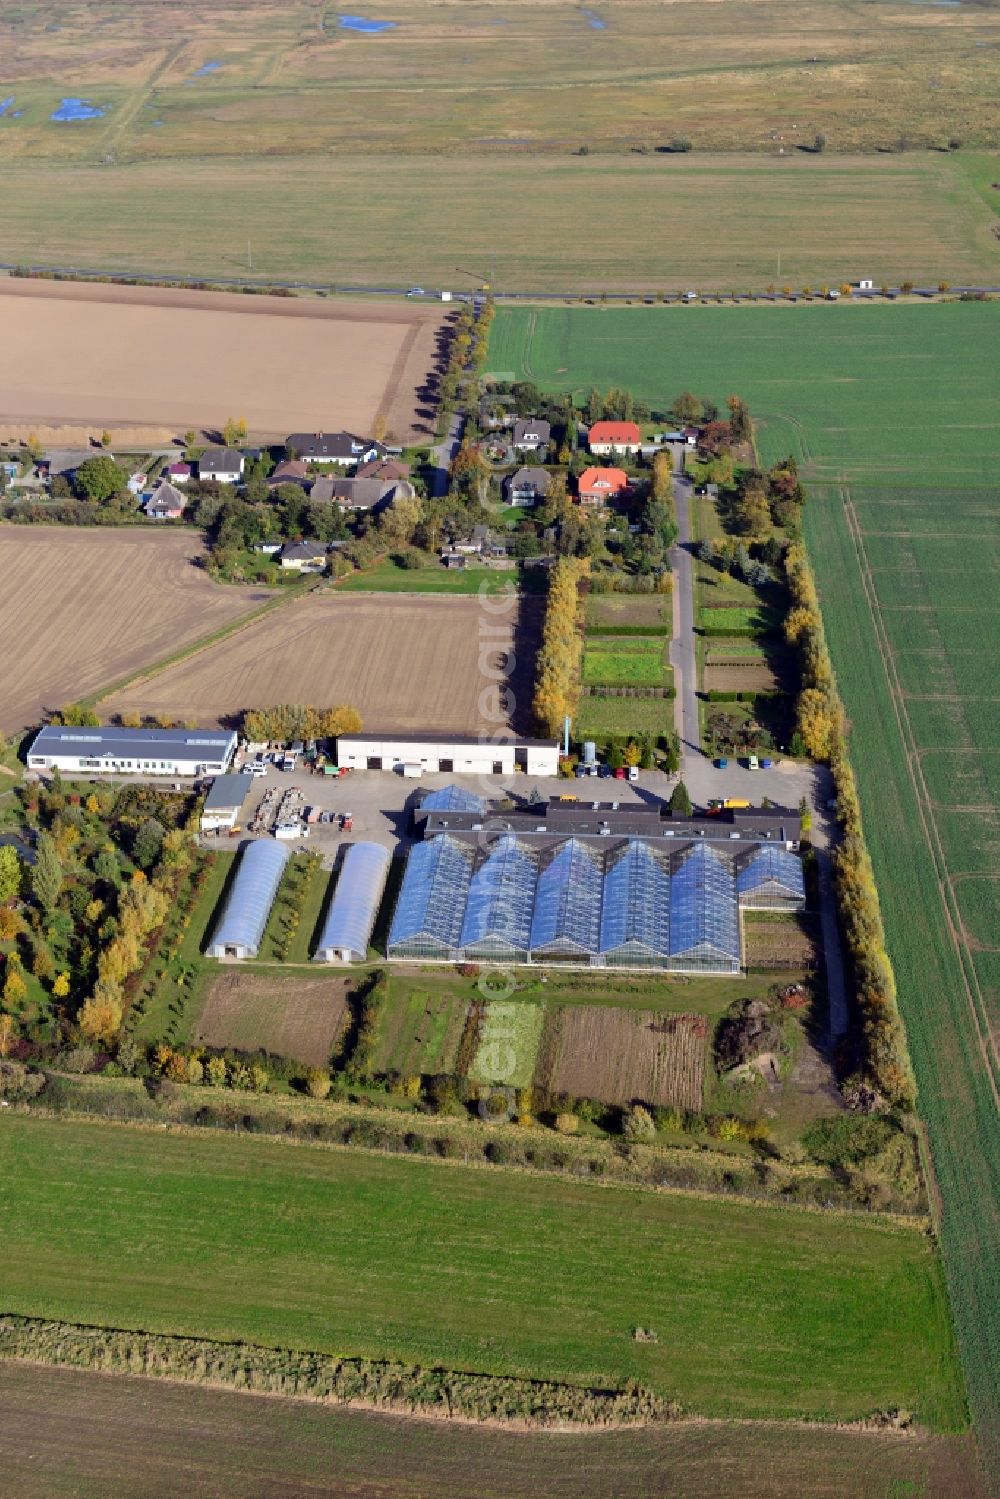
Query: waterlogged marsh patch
x=73, y=109
x=362, y=24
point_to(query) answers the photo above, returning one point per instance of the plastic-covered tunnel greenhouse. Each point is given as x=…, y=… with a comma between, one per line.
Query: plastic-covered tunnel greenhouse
x=251, y=895
x=350, y=920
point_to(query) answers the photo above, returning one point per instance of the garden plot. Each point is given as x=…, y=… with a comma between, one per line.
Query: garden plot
x=420, y=1034
x=619, y=1056
x=299, y=1018
x=509, y=1037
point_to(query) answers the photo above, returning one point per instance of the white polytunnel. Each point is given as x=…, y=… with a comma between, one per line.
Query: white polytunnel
x=350, y=920
x=241, y=926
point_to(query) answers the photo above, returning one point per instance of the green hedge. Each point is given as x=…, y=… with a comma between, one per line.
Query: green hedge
x=627, y=630
x=744, y=697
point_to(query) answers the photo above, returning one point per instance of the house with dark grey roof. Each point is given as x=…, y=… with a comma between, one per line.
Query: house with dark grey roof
x=526, y=486
x=224, y=465
x=531, y=434
x=333, y=447
x=359, y=494
x=303, y=556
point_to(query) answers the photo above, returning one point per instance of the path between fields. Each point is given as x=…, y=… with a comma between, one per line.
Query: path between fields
x=702, y=779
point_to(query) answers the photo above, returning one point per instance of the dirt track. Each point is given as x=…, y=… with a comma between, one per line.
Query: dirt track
x=122, y=356
x=82, y=608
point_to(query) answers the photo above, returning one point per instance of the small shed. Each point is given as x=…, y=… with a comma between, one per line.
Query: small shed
x=239, y=930
x=224, y=803
x=351, y=918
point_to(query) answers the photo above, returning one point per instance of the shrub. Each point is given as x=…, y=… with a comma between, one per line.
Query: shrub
x=80, y=1059
x=567, y=1124
x=317, y=1082
x=637, y=1124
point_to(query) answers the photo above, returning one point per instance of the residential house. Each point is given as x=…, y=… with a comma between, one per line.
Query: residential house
x=391, y=470
x=599, y=486
x=360, y=494
x=137, y=482
x=66, y=461
x=179, y=473
x=480, y=542
x=333, y=447
x=527, y=486
x=494, y=415
x=225, y=465
x=303, y=556
x=531, y=435
x=606, y=438
x=289, y=471
x=165, y=503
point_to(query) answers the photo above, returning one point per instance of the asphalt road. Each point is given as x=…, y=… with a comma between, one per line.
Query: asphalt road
x=443, y=453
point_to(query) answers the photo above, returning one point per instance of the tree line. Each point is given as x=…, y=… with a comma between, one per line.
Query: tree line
x=822, y=724
x=287, y=722
x=557, y=689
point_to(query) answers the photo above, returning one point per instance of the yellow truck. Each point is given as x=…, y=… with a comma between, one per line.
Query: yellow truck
x=727, y=804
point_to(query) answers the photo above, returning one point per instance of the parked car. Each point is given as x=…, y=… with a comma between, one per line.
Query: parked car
x=766, y=763
x=633, y=772
x=257, y=768
x=721, y=763
x=621, y=774
x=753, y=763
x=604, y=771
x=580, y=772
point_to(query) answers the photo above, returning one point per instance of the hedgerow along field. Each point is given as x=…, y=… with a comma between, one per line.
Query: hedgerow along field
x=343, y=1252
x=198, y=1442
x=897, y=405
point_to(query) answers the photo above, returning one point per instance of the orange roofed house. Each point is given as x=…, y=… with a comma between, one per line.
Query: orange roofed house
x=605, y=438
x=599, y=486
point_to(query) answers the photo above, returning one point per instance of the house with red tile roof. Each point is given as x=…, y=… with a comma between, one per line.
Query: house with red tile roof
x=599, y=486
x=605, y=438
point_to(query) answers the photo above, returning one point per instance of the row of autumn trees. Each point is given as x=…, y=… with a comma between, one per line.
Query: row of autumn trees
x=290, y=721
x=821, y=723
x=557, y=676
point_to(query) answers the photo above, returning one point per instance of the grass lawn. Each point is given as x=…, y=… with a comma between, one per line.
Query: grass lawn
x=626, y=661
x=173, y=1004
x=623, y=715
x=233, y=1238
x=388, y=578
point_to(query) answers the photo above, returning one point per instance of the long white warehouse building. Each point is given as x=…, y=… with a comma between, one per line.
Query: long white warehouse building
x=450, y=754
x=151, y=752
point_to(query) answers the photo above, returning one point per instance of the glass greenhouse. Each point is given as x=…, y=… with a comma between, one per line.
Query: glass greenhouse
x=635, y=919
x=453, y=799
x=771, y=880
x=428, y=918
x=704, y=915
x=501, y=899
x=240, y=927
x=350, y=920
x=567, y=918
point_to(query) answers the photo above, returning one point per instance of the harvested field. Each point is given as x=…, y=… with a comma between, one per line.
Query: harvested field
x=647, y=611
x=200, y=1443
x=787, y=942
x=294, y=1017
x=179, y=359
x=405, y=662
x=618, y=1056
x=420, y=1033
x=754, y=676
x=87, y=607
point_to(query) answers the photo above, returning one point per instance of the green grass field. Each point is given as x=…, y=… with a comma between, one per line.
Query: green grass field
x=386, y=577
x=623, y=715
x=898, y=406
x=892, y=217
x=881, y=394
x=238, y=1238
x=509, y=1037
x=626, y=661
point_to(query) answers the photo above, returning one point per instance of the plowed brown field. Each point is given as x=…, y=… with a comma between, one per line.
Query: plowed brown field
x=619, y=1056
x=82, y=608
x=404, y=661
x=141, y=356
x=298, y=1018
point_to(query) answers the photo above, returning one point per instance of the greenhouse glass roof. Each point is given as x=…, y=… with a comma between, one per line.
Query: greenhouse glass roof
x=351, y=917
x=704, y=916
x=453, y=799
x=636, y=905
x=567, y=914
x=434, y=892
x=501, y=896
x=250, y=898
x=774, y=868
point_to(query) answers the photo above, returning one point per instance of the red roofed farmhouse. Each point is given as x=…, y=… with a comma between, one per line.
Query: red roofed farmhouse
x=598, y=486
x=614, y=437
